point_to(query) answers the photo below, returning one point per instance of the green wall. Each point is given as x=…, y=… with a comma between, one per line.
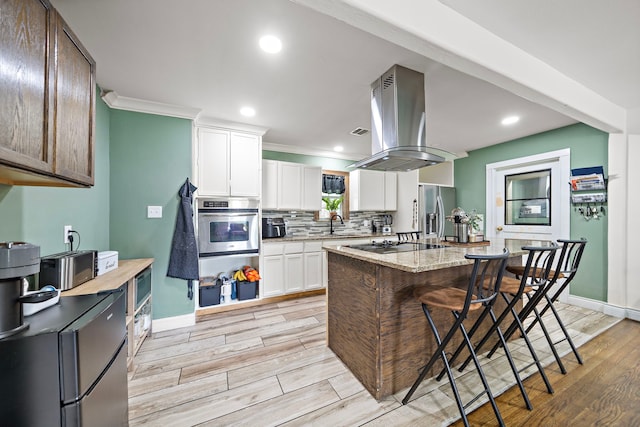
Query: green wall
x=38, y=214
x=324, y=162
x=589, y=147
x=150, y=160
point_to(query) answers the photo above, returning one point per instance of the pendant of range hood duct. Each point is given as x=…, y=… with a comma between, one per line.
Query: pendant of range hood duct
x=398, y=140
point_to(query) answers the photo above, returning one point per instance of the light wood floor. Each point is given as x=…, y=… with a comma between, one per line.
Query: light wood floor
x=269, y=366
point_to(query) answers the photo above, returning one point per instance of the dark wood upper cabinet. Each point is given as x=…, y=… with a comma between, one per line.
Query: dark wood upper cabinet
x=47, y=107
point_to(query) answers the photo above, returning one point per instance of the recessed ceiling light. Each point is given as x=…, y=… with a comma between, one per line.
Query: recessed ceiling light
x=338, y=148
x=510, y=120
x=248, y=111
x=270, y=44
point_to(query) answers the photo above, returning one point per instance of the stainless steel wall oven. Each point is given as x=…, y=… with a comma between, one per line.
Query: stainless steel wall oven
x=228, y=227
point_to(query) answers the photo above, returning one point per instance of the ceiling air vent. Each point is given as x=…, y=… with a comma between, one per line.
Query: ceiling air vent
x=359, y=131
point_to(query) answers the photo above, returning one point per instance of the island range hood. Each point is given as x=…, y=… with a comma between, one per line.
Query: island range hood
x=398, y=140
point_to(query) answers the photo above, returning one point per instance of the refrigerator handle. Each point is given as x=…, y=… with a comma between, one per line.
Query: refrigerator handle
x=441, y=219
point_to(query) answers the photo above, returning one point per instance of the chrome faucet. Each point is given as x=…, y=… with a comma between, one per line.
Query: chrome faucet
x=331, y=222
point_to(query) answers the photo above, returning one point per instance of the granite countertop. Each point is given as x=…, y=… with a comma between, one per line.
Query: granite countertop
x=330, y=237
x=435, y=259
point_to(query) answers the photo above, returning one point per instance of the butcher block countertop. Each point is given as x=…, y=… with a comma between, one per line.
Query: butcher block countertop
x=435, y=259
x=127, y=269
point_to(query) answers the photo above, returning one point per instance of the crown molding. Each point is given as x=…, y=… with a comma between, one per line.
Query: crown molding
x=115, y=101
x=294, y=149
x=206, y=121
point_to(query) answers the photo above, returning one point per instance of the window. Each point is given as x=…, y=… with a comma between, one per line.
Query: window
x=335, y=184
x=528, y=198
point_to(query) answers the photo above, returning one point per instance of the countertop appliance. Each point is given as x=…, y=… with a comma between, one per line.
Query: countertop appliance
x=228, y=227
x=69, y=368
x=66, y=270
x=273, y=227
x=398, y=134
x=434, y=204
x=388, y=247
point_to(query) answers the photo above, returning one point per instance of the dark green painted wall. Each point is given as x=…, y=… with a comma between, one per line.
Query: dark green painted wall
x=38, y=214
x=150, y=160
x=589, y=147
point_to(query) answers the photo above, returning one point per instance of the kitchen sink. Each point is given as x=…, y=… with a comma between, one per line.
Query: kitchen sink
x=387, y=247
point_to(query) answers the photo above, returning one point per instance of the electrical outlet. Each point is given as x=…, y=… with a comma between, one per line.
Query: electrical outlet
x=67, y=232
x=154, y=211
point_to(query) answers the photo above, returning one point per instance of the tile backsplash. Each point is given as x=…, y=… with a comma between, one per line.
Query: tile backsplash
x=303, y=224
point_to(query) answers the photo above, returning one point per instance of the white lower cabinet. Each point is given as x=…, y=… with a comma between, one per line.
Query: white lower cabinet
x=313, y=265
x=272, y=276
x=292, y=267
x=293, y=273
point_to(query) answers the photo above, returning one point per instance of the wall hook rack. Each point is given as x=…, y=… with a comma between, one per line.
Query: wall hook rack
x=589, y=192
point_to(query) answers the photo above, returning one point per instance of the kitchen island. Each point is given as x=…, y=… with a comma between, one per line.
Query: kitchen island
x=375, y=325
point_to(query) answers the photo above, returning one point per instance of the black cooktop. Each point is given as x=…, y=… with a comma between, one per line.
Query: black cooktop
x=389, y=247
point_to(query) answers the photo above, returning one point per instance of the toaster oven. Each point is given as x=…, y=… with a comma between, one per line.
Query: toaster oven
x=66, y=270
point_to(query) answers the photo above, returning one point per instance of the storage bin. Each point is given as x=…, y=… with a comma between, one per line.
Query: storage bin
x=247, y=290
x=107, y=261
x=209, y=295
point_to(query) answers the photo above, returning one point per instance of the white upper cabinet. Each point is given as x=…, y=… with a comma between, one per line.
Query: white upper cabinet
x=372, y=190
x=269, y=184
x=245, y=161
x=311, y=188
x=291, y=186
x=390, y=191
x=228, y=163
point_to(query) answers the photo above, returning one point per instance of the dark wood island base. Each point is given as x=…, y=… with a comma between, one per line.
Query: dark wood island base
x=376, y=326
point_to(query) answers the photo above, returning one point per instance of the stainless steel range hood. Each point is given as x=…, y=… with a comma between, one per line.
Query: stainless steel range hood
x=398, y=140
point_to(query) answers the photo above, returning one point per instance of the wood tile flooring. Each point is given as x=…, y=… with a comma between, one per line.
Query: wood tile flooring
x=269, y=366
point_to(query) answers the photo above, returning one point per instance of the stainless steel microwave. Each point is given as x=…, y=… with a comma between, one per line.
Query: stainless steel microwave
x=228, y=227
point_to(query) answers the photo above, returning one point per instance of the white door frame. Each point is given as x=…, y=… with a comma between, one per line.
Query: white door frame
x=563, y=157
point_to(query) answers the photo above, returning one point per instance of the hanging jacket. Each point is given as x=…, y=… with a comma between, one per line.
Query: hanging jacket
x=183, y=258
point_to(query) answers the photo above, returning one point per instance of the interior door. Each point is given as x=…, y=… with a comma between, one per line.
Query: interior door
x=528, y=198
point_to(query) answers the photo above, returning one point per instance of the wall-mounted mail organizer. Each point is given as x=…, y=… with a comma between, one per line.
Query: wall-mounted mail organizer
x=589, y=192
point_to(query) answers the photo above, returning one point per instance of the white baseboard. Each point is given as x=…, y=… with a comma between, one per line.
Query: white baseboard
x=603, y=307
x=168, y=323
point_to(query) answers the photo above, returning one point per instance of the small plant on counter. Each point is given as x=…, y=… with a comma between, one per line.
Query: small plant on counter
x=332, y=205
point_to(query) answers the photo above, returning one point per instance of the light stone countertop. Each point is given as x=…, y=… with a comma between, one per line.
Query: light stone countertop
x=435, y=259
x=316, y=237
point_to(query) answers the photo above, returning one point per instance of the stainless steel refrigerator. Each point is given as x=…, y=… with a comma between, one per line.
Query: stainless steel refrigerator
x=434, y=204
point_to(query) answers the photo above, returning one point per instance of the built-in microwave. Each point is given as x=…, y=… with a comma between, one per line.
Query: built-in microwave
x=228, y=227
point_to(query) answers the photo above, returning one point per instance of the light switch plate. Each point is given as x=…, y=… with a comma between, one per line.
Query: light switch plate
x=154, y=211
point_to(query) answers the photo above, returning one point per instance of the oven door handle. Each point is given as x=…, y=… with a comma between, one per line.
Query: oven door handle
x=227, y=214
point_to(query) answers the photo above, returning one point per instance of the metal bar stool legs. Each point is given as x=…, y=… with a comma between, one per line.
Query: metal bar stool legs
x=572, y=251
x=489, y=269
x=536, y=270
x=567, y=267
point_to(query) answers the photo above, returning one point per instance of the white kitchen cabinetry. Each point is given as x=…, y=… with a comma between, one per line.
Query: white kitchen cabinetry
x=311, y=188
x=290, y=267
x=372, y=191
x=272, y=270
x=269, y=184
x=291, y=186
x=313, y=266
x=228, y=163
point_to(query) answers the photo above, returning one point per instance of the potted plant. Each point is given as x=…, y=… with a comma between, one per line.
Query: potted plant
x=332, y=205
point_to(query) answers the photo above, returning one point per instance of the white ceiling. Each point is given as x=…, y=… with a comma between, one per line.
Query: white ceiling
x=204, y=54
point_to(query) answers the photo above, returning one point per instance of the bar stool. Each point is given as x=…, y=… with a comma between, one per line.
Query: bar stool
x=405, y=236
x=567, y=267
x=536, y=273
x=487, y=269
